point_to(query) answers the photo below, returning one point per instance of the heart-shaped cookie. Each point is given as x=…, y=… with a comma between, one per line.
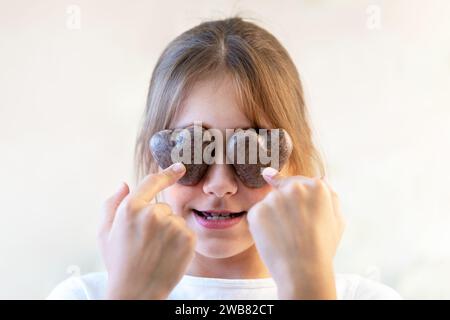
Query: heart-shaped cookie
x=249, y=161
x=164, y=142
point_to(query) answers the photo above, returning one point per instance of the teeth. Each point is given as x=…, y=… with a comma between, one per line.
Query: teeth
x=213, y=216
x=217, y=217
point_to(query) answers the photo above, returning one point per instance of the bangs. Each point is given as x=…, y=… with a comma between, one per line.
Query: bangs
x=266, y=83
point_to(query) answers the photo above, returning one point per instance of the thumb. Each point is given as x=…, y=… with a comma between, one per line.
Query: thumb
x=277, y=180
x=154, y=183
x=110, y=206
x=272, y=176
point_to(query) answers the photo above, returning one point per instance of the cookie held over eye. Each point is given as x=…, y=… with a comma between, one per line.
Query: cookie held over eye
x=251, y=152
x=164, y=142
x=247, y=150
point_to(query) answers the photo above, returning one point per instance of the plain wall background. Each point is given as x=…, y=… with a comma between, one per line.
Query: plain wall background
x=376, y=77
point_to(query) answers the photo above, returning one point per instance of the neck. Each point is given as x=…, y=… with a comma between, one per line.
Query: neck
x=245, y=265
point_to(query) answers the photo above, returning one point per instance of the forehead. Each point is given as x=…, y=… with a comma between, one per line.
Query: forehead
x=214, y=103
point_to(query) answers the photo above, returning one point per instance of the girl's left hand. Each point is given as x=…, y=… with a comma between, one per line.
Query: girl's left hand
x=297, y=228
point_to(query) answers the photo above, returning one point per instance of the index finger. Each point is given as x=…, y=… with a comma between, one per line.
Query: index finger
x=277, y=180
x=154, y=183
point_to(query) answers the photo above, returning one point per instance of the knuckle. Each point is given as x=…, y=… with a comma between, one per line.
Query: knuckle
x=296, y=189
x=318, y=183
x=131, y=207
x=155, y=214
x=334, y=194
x=271, y=197
x=151, y=215
x=335, y=198
x=153, y=178
x=162, y=208
x=192, y=240
x=174, y=224
x=181, y=220
x=159, y=179
x=276, y=197
x=185, y=234
x=188, y=238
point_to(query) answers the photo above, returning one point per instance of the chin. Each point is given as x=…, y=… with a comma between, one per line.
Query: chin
x=222, y=243
x=215, y=248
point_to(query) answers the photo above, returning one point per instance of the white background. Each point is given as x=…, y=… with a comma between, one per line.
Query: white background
x=376, y=76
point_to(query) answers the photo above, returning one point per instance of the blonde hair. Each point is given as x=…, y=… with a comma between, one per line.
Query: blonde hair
x=265, y=78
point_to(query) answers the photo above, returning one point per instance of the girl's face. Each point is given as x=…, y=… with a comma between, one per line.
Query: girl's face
x=214, y=103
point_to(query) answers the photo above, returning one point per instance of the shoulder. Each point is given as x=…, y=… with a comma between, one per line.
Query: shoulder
x=90, y=286
x=354, y=286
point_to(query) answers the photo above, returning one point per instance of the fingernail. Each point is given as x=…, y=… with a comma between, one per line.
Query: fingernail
x=269, y=172
x=178, y=167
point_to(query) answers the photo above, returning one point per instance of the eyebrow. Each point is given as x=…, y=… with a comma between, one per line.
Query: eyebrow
x=207, y=126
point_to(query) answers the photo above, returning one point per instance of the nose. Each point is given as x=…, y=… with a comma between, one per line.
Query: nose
x=220, y=181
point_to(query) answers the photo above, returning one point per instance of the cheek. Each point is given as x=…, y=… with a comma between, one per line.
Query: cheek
x=253, y=195
x=178, y=196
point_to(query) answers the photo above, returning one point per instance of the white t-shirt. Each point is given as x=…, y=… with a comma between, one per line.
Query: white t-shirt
x=348, y=286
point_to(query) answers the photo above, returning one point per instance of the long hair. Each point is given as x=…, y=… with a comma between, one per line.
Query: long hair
x=264, y=76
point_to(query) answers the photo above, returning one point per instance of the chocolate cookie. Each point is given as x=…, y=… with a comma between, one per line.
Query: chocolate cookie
x=164, y=142
x=249, y=165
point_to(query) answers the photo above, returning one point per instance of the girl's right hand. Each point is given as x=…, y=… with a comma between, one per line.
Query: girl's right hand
x=146, y=248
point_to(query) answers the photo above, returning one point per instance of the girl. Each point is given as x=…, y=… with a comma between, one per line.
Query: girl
x=227, y=74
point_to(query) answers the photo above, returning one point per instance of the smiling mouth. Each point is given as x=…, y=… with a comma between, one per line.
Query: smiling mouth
x=218, y=215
